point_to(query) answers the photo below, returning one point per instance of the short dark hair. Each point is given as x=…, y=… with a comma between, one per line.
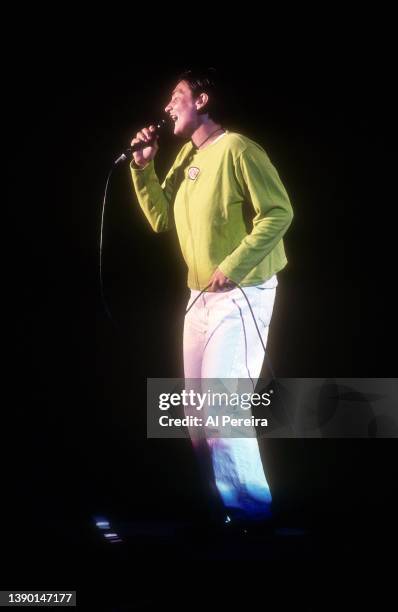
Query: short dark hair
x=205, y=80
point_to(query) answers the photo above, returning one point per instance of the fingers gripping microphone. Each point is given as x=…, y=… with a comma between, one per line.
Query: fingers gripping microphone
x=128, y=153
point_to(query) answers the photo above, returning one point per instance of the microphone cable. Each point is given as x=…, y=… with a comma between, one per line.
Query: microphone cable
x=101, y=244
x=127, y=154
x=252, y=313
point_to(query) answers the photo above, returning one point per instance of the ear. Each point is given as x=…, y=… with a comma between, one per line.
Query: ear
x=201, y=101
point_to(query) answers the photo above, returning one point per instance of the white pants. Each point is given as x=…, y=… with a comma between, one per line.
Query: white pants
x=221, y=341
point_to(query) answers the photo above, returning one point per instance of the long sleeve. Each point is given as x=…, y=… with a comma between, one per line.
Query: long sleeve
x=264, y=189
x=154, y=198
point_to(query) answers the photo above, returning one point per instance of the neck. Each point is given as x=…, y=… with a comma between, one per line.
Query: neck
x=203, y=131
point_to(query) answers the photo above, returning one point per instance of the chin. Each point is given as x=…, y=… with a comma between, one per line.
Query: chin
x=182, y=131
x=178, y=131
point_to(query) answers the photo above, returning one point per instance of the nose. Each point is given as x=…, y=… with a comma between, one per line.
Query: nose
x=168, y=108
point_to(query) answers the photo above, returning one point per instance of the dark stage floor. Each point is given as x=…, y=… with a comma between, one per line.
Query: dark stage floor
x=137, y=564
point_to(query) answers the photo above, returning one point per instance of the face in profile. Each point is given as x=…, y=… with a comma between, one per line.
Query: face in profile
x=183, y=110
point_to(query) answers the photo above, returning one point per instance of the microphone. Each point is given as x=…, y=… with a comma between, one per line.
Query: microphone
x=128, y=153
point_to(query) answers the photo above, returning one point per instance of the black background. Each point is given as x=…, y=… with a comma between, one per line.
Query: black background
x=78, y=441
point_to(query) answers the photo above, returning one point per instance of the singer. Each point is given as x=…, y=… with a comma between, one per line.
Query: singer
x=217, y=177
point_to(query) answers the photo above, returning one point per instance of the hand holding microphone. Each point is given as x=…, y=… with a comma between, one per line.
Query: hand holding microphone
x=148, y=141
x=144, y=146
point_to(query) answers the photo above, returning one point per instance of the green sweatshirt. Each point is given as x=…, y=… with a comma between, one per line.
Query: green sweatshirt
x=212, y=190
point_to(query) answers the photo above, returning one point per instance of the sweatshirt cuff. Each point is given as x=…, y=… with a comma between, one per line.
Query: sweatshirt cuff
x=231, y=272
x=135, y=168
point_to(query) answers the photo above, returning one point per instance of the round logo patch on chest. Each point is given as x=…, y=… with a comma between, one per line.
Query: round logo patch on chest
x=193, y=173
